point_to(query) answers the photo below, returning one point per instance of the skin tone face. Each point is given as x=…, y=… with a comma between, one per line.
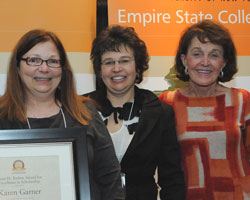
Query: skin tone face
x=41, y=81
x=204, y=62
x=119, y=77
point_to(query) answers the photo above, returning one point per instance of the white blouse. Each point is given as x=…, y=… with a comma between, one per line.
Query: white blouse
x=121, y=140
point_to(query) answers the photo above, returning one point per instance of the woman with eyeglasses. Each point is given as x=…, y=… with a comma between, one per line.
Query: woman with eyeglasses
x=142, y=128
x=40, y=93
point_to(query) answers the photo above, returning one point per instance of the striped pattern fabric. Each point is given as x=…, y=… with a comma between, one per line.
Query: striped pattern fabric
x=214, y=135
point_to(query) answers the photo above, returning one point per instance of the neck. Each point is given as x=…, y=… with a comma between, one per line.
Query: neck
x=39, y=108
x=195, y=90
x=119, y=100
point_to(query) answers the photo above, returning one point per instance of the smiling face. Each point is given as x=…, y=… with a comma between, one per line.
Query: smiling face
x=41, y=80
x=119, y=77
x=204, y=62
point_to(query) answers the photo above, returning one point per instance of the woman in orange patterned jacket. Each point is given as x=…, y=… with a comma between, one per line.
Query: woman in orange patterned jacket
x=213, y=121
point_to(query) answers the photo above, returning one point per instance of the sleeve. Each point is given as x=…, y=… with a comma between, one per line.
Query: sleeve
x=105, y=166
x=170, y=173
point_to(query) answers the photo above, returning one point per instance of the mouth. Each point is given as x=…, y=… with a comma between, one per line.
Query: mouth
x=117, y=78
x=42, y=79
x=200, y=71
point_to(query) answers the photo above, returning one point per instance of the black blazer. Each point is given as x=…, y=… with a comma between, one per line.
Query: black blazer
x=154, y=145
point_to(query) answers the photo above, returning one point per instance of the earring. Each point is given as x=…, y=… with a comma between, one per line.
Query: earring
x=186, y=70
x=137, y=78
x=221, y=74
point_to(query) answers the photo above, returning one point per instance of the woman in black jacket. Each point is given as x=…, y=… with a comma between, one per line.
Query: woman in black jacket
x=141, y=127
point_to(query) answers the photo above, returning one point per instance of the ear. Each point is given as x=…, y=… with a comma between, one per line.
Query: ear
x=183, y=59
x=18, y=70
x=224, y=64
x=100, y=74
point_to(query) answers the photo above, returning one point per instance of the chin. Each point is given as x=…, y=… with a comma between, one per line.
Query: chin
x=207, y=84
x=44, y=90
x=119, y=91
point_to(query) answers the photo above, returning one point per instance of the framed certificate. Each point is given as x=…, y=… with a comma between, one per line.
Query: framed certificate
x=38, y=164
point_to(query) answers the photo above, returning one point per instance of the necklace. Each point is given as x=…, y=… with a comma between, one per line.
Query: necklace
x=131, y=109
x=64, y=120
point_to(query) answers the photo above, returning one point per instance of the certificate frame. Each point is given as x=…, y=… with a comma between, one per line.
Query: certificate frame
x=76, y=136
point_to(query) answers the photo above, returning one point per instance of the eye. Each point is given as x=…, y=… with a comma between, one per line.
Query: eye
x=34, y=60
x=108, y=62
x=215, y=55
x=196, y=54
x=124, y=61
x=53, y=61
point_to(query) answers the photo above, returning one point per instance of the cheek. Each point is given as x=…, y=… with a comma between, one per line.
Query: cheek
x=24, y=72
x=218, y=65
x=131, y=70
x=133, y=75
x=59, y=73
x=191, y=63
x=104, y=72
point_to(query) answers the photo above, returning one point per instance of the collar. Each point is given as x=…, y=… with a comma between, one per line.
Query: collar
x=122, y=113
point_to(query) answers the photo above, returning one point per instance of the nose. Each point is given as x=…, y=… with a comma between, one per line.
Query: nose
x=43, y=67
x=205, y=60
x=117, y=67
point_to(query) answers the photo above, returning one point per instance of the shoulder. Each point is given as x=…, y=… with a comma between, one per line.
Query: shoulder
x=166, y=107
x=91, y=108
x=97, y=95
x=240, y=92
x=96, y=118
x=168, y=96
x=151, y=101
x=5, y=123
x=98, y=98
x=146, y=99
x=145, y=94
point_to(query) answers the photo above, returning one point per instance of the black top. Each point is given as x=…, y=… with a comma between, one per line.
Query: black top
x=55, y=121
x=154, y=145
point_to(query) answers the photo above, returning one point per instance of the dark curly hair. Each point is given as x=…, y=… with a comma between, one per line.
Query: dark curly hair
x=216, y=34
x=112, y=39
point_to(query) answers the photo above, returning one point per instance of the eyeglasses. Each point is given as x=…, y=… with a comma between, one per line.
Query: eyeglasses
x=35, y=61
x=122, y=62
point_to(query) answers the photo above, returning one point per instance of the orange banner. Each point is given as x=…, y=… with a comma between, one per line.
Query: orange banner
x=73, y=21
x=160, y=22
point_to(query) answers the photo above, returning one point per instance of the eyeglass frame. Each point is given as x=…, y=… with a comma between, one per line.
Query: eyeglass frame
x=42, y=61
x=120, y=62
